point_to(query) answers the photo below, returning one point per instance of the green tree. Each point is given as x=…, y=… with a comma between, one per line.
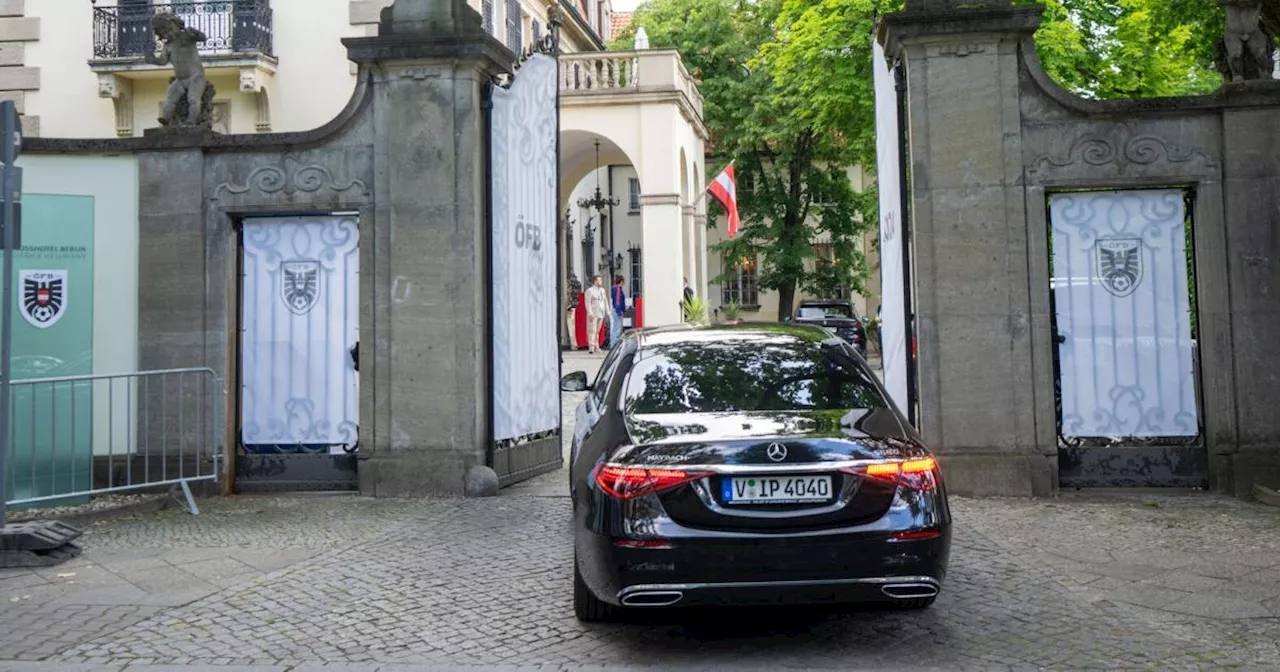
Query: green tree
x=1131, y=48
x=789, y=99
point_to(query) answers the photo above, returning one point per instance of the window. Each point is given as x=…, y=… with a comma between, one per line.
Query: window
x=487, y=12
x=633, y=189
x=822, y=312
x=635, y=273
x=537, y=31
x=749, y=372
x=740, y=282
x=515, y=27
x=600, y=389
x=824, y=255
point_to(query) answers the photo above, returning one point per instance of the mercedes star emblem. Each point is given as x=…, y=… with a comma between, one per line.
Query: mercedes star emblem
x=777, y=452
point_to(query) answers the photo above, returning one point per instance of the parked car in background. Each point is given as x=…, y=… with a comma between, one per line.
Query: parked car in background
x=748, y=465
x=837, y=316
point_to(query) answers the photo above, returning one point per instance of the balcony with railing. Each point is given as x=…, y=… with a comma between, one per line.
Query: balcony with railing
x=647, y=74
x=238, y=34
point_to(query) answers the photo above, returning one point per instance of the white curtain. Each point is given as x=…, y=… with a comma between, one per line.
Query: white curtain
x=1123, y=314
x=300, y=318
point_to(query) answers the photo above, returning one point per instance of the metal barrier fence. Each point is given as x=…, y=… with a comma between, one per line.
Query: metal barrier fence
x=78, y=436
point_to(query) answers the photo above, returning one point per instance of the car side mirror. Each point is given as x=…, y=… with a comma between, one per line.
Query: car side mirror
x=575, y=382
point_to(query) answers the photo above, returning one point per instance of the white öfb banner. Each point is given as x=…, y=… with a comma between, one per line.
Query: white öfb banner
x=893, y=303
x=526, y=350
x=301, y=317
x=1122, y=313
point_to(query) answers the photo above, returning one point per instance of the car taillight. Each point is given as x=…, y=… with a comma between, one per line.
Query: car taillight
x=631, y=482
x=920, y=474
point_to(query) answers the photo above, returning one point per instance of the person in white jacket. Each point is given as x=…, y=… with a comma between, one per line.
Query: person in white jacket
x=597, y=311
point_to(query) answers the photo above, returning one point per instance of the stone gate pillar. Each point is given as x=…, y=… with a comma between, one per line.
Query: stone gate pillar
x=424, y=303
x=974, y=309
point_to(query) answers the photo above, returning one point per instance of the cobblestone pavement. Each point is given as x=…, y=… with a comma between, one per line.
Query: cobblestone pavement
x=1107, y=580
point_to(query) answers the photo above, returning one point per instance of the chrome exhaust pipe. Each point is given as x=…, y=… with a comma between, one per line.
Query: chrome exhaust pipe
x=909, y=591
x=652, y=598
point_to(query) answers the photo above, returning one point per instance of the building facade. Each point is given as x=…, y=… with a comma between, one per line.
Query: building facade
x=79, y=69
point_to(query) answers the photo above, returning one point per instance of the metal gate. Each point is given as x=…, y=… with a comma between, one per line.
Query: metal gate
x=299, y=330
x=524, y=244
x=1125, y=361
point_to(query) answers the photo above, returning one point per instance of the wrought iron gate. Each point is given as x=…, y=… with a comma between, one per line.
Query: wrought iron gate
x=1125, y=357
x=299, y=331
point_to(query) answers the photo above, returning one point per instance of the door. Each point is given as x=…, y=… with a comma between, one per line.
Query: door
x=134, y=37
x=299, y=387
x=1121, y=284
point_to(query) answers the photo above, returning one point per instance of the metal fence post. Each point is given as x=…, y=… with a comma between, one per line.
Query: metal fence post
x=12, y=136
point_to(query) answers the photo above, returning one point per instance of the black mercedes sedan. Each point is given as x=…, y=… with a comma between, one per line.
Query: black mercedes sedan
x=747, y=465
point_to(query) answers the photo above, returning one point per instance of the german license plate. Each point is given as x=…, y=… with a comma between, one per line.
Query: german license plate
x=775, y=489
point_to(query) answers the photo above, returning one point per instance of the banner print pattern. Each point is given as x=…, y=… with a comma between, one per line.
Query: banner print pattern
x=526, y=354
x=301, y=317
x=1123, y=313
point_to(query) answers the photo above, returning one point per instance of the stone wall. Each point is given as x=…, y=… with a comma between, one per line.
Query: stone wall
x=990, y=137
x=407, y=154
x=16, y=77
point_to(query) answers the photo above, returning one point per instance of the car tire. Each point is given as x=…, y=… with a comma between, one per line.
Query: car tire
x=586, y=606
x=914, y=603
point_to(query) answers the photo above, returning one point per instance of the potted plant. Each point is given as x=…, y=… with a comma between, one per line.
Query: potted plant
x=732, y=313
x=695, y=310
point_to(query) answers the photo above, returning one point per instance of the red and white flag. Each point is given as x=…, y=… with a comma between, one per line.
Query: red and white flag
x=725, y=189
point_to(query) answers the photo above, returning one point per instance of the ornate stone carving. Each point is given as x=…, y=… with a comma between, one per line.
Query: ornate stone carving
x=254, y=82
x=189, y=100
x=1245, y=50
x=120, y=91
x=1120, y=152
x=290, y=178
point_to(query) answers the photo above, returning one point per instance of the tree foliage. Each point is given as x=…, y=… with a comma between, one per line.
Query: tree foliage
x=788, y=96
x=1131, y=48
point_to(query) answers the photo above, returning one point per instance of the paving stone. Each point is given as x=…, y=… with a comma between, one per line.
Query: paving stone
x=1186, y=581
x=1218, y=607
x=395, y=585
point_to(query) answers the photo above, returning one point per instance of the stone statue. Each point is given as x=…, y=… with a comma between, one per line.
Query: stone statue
x=189, y=101
x=1245, y=50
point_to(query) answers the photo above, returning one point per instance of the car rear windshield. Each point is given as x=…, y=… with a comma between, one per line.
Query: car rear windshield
x=743, y=374
x=820, y=312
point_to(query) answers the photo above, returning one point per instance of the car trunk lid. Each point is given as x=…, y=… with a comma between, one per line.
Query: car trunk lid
x=772, y=471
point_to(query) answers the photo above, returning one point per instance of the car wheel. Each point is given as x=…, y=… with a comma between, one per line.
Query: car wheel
x=914, y=603
x=586, y=606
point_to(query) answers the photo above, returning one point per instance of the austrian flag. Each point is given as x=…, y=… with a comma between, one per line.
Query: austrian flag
x=725, y=189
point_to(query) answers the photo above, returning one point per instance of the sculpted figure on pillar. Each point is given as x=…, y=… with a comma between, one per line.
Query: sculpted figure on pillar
x=1245, y=51
x=189, y=101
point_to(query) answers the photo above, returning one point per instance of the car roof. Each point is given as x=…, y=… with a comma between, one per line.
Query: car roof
x=825, y=302
x=658, y=337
